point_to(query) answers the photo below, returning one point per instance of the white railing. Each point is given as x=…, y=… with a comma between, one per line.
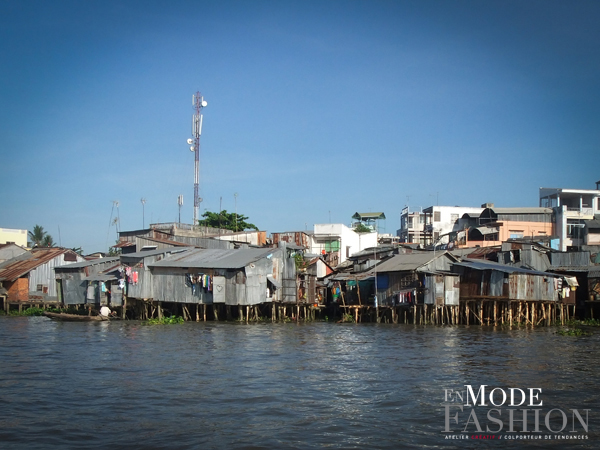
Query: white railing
x=581, y=211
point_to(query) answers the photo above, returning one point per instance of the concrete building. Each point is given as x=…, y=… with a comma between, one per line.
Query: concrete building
x=497, y=225
x=440, y=221
x=412, y=227
x=572, y=208
x=336, y=242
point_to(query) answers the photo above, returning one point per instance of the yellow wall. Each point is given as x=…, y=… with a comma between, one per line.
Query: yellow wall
x=19, y=237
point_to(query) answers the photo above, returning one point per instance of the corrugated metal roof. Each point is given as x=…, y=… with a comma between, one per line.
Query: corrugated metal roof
x=124, y=244
x=593, y=224
x=573, y=268
x=14, y=268
x=146, y=253
x=89, y=263
x=407, y=261
x=214, y=258
x=479, y=264
x=166, y=241
x=369, y=215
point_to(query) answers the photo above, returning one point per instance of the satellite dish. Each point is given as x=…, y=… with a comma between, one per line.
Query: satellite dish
x=192, y=148
x=190, y=141
x=204, y=103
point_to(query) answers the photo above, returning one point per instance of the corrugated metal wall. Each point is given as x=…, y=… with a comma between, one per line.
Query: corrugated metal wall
x=44, y=275
x=169, y=285
x=442, y=290
x=531, y=287
x=563, y=259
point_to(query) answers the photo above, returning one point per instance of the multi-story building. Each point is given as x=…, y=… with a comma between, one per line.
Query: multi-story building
x=337, y=242
x=440, y=221
x=572, y=208
x=412, y=227
x=497, y=225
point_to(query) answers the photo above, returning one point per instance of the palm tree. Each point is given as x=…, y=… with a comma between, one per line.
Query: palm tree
x=37, y=235
x=48, y=241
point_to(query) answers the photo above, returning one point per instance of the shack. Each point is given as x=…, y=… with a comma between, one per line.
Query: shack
x=90, y=282
x=419, y=277
x=497, y=293
x=30, y=275
x=242, y=277
x=137, y=274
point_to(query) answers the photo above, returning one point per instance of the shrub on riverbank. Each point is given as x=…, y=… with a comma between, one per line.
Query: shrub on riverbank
x=165, y=321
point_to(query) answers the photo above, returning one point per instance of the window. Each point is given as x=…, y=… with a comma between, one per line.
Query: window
x=422, y=218
x=332, y=246
x=516, y=234
x=436, y=216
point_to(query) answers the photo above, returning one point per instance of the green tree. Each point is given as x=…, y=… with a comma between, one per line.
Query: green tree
x=362, y=228
x=39, y=238
x=114, y=251
x=226, y=221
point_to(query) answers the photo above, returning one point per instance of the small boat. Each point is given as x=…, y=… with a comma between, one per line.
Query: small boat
x=73, y=317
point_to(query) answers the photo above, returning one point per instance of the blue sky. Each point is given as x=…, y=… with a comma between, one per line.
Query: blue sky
x=316, y=110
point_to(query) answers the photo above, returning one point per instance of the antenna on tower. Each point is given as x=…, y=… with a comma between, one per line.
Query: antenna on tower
x=198, y=103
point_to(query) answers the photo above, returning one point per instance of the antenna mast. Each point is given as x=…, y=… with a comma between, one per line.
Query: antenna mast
x=198, y=103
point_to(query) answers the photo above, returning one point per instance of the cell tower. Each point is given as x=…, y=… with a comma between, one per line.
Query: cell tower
x=198, y=103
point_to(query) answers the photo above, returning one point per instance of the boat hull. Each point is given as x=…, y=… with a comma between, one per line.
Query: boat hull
x=74, y=317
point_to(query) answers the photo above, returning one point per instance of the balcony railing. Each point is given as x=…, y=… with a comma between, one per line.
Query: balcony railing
x=580, y=211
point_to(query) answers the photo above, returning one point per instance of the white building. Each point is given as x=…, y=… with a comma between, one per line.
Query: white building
x=572, y=207
x=9, y=235
x=337, y=242
x=433, y=224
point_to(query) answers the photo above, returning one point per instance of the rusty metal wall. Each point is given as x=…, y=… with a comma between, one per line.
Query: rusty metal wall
x=531, y=287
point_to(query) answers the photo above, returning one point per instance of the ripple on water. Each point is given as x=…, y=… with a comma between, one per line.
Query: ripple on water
x=215, y=385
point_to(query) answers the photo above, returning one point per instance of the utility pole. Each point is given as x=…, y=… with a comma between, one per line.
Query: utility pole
x=143, y=200
x=235, y=196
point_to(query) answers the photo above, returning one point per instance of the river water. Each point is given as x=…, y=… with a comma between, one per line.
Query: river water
x=124, y=385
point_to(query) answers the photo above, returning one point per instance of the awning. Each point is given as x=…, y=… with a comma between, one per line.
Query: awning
x=486, y=230
x=572, y=281
x=274, y=282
